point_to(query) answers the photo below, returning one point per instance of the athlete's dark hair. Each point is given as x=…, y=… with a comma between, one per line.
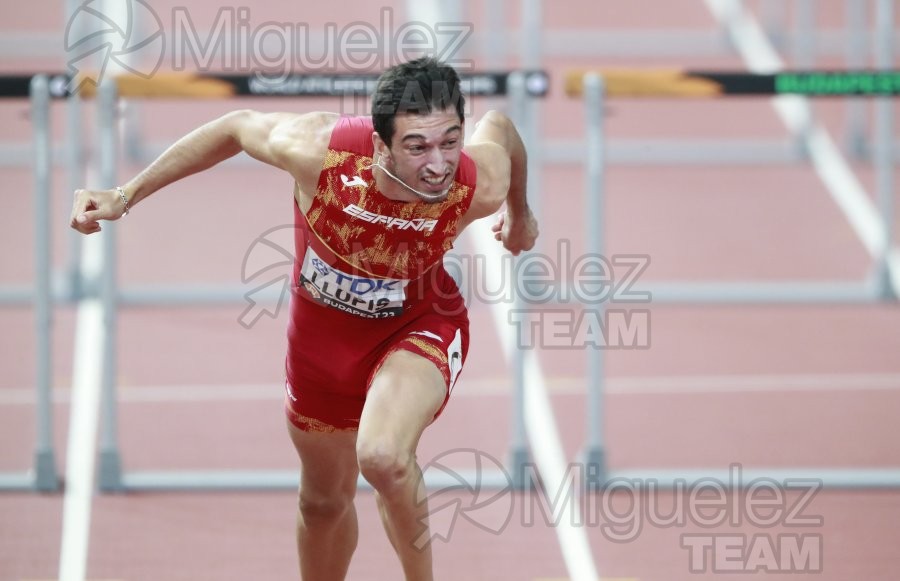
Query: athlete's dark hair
x=419, y=86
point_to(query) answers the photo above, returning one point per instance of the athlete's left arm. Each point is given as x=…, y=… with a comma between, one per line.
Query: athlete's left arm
x=501, y=160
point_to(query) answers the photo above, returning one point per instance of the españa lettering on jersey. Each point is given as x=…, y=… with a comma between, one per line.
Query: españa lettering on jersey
x=417, y=224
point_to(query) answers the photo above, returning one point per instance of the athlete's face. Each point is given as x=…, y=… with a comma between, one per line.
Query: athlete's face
x=425, y=149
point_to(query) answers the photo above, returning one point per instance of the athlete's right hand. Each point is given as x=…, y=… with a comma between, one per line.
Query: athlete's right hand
x=517, y=233
x=91, y=206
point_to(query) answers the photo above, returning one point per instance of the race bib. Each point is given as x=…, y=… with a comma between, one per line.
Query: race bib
x=371, y=298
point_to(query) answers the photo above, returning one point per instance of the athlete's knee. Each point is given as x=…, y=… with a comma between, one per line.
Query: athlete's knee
x=385, y=466
x=323, y=509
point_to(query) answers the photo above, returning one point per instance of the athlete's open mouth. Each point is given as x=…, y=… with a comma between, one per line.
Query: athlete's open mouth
x=436, y=184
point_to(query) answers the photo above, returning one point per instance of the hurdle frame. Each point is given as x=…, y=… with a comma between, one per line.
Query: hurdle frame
x=43, y=476
x=521, y=87
x=877, y=287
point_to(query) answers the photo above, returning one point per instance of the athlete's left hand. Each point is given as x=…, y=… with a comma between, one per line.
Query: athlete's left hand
x=516, y=232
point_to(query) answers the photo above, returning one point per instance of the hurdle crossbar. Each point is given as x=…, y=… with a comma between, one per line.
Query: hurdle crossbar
x=213, y=86
x=594, y=86
x=658, y=83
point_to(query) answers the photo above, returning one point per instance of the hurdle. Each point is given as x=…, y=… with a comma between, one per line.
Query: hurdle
x=595, y=87
x=518, y=86
x=40, y=295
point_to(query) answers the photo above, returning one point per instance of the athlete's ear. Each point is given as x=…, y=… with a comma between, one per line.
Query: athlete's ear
x=381, y=148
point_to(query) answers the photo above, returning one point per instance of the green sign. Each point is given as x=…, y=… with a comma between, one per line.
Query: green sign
x=847, y=83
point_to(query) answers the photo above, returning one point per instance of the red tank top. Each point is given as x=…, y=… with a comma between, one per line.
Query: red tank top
x=363, y=253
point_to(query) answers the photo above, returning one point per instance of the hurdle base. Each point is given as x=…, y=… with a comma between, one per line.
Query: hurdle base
x=46, y=478
x=519, y=467
x=884, y=283
x=595, y=472
x=16, y=482
x=110, y=472
x=740, y=478
x=289, y=480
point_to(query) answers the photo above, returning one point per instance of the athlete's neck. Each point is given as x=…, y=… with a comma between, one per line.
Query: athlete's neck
x=396, y=189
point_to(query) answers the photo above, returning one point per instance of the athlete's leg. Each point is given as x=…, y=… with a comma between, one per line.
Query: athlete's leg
x=327, y=530
x=405, y=394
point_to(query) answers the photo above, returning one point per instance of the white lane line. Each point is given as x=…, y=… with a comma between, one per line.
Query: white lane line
x=83, y=420
x=542, y=429
x=796, y=114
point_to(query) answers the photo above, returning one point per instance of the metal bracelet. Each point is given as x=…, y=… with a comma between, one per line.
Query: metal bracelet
x=124, y=199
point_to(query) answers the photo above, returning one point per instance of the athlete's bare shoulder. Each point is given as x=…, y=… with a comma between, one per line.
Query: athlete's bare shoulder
x=294, y=142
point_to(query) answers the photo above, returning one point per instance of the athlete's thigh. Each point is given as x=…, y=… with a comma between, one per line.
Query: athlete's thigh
x=405, y=394
x=328, y=461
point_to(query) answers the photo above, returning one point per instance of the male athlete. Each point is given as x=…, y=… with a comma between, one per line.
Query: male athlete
x=378, y=330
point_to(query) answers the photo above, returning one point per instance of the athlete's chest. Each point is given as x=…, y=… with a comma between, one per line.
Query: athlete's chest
x=382, y=237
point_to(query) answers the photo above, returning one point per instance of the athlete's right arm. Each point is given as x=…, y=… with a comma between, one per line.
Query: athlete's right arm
x=294, y=143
